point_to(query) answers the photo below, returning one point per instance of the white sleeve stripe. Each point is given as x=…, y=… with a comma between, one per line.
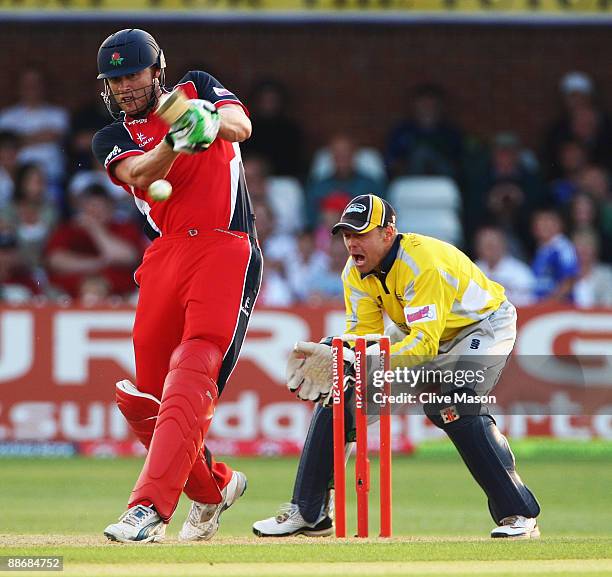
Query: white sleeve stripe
x=406, y=258
x=449, y=278
x=234, y=180
x=409, y=292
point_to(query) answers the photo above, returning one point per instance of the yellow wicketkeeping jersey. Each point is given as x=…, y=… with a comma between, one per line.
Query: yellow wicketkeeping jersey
x=427, y=287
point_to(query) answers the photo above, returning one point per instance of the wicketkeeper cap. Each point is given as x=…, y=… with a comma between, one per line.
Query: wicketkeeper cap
x=364, y=213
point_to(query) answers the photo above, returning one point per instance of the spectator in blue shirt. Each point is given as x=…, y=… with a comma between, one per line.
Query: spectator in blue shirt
x=555, y=264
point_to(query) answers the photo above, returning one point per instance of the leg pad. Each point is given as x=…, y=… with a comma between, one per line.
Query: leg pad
x=187, y=406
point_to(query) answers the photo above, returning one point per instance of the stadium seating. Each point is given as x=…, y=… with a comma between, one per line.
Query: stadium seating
x=286, y=198
x=428, y=205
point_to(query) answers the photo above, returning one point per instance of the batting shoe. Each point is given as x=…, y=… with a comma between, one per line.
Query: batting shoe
x=516, y=527
x=203, y=519
x=138, y=524
x=289, y=522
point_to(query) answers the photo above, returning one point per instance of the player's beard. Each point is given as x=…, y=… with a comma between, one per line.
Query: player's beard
x=144, y=99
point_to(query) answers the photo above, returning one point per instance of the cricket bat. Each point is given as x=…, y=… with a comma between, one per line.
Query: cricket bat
x=172, y=106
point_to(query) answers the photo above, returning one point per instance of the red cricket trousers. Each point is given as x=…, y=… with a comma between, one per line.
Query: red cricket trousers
x=197, y=286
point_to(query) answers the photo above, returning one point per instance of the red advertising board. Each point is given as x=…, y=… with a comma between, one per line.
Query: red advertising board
x=58, y=367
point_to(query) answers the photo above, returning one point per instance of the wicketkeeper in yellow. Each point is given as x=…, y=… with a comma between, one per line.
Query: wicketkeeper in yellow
x=443, y=310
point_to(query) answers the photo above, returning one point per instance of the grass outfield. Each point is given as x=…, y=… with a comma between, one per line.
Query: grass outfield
x=441, y=523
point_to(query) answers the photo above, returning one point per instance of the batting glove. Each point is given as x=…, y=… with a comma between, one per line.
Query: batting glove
x=195, y=130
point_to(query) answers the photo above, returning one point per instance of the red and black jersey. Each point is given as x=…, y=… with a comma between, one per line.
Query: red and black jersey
x=208, y=188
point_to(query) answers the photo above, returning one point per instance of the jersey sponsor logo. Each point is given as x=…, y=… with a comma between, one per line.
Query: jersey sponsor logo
x=143, y=140
x=355, y=207
x=114, y=152
x=421, y=314
x=138, y=121
x=475, y=344
x=221, y=91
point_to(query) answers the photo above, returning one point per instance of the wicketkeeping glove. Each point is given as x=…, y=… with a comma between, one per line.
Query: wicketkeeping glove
x=309, y=371
x=195, y=130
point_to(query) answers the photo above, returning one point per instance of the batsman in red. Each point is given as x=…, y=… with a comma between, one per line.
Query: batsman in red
x=198, y=280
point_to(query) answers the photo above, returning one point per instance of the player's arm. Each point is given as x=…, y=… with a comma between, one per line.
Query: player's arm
x=126, y=163
x=235, y=124
x=425, y=314
x=142, y=170
x=363, y=314
x=64, y=261
x=188, y=133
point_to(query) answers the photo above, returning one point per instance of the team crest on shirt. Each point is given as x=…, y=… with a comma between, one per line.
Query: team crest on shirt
x=422, y=314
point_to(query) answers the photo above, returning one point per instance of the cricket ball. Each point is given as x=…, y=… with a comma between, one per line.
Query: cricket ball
x=160, y=190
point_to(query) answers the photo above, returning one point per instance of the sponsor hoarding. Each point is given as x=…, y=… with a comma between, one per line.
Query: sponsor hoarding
x=58, y=367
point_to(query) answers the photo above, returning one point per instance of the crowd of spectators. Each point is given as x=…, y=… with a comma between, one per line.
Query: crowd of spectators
x=537, y=220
